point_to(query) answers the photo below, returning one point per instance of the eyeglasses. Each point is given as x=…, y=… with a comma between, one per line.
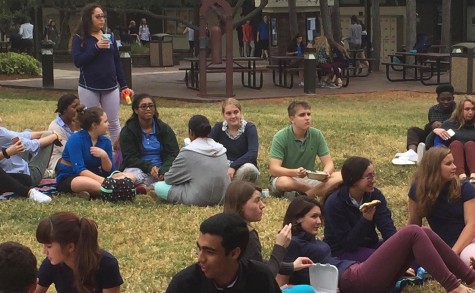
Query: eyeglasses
x=146, y=107
x=99, y=16
x=370, y=177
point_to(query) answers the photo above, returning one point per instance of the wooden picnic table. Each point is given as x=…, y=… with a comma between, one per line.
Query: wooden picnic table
x=244, y=65
x=430, y=62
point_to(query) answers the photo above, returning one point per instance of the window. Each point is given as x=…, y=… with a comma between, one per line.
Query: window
x=173, y=27
x=273, y=29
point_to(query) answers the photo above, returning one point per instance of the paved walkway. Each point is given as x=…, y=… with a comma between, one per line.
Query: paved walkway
x=168, y=82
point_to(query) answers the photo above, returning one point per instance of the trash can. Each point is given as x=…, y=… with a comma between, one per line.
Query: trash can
x=462, y=67
x=161, y=50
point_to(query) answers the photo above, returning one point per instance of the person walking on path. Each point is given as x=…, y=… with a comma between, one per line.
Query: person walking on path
x=263, y=37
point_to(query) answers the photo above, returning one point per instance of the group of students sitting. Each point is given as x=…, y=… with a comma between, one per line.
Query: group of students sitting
x=331, y=57
x=147, y=152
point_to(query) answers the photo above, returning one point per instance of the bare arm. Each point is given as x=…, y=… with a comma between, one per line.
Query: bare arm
x=468, y=231
x=282, y=279
x=276, y=169
x=414, y=217
x=327, y=163
x=41, y=289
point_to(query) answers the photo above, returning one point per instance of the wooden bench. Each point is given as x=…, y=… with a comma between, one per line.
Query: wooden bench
x=403, y=67
x=192, y=77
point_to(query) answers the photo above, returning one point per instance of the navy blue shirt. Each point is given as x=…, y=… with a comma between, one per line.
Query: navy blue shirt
x=305, y=244
x=446, y=218
x=100, y=69
x=345, y=227
x=238, y=151
x=263, y=30
x=108, y=276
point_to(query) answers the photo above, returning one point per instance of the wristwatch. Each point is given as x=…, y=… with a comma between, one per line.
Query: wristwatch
x=5, y=154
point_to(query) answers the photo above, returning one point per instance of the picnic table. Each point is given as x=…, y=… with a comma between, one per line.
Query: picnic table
x=425, y=65
x=244, y=65
x=283, y=72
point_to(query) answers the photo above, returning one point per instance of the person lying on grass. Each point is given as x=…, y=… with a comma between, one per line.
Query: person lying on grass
x=87, y=156
x=74, y=261
x=245, y=200
x=385, y=266
x=19, y=173
x=447, y=203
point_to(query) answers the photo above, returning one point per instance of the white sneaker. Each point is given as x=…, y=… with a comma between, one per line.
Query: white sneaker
x=301, y=84
x=408, y=155
x=421, y=149
x=38, y=196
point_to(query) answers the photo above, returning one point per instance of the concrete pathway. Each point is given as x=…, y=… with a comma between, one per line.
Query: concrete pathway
x=168, y=83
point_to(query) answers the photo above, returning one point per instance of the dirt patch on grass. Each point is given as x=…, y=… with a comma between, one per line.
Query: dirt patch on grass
x=17, y=76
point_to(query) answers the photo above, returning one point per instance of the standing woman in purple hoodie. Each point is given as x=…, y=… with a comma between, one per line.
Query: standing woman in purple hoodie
x=101, y=77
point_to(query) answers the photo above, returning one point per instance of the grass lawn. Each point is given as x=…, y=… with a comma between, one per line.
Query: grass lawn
x=153, y=240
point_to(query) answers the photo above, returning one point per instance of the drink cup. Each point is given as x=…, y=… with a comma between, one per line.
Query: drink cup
x=107, y=37
x=265, y=193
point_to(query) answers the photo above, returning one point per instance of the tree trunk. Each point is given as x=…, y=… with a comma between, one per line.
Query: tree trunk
x=446, y=21
x=336, y=21
x=410, y=24
x=376, y=33
x=293, y=25
x=326, y=21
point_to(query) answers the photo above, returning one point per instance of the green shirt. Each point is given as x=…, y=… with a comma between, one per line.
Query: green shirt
x=295, y=153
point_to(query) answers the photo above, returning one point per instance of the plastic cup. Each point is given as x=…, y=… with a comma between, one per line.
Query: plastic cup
x=107, y=37
x=265, y=193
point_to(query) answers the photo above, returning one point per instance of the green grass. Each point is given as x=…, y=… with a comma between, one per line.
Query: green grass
x=153, y=240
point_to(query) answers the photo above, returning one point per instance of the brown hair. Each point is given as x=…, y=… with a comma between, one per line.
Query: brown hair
x=291, y=109
x=66, y=228
x=88, y=116
x=297, y=209
x=83, y=28
x=457, y=115
x=236, y=196
x=230, y=101
x=428, y=180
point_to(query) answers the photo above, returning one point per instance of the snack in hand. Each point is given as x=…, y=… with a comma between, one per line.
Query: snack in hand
x=372, y=203
x=126, y=96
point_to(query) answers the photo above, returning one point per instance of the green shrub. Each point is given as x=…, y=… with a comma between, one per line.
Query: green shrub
x=14, y=63
x=137, y=49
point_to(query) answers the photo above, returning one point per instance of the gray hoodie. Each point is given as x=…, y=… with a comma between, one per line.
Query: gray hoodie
x=199, y=174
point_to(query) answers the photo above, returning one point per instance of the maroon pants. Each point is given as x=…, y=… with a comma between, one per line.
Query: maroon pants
x=382, y=269
x=464, y=156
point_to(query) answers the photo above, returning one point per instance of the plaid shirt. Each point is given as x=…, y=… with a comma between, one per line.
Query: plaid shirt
x=436, y=113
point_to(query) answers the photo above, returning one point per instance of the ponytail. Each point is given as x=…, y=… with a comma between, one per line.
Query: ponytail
x=66, y=228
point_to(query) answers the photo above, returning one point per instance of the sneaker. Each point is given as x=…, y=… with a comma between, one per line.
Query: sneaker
x=421, y=149
x=333, y=86
x=409, y=155
x=301, y=84
x=38, y=196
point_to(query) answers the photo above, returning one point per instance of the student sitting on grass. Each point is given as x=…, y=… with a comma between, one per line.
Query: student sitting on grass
x=87, y=156
x=18, y=272
x=349, y=231
x=447, y=203
x=383, y=268
x=21, y=173
x=437, y=114
x=244, y=199
x=64, y=125
x=148, y=144
x=220, y=265
x=294, y=151
x=240, y=139
x=198, y=175
x=74, y=261
x=462, y=141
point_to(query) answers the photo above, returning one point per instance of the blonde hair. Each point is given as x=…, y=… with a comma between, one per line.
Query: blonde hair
x=230, y=101
x=428, y=180
x=321, y=42
x=457, y=115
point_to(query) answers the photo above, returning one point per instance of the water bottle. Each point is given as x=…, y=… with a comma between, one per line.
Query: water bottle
x=421, y=273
